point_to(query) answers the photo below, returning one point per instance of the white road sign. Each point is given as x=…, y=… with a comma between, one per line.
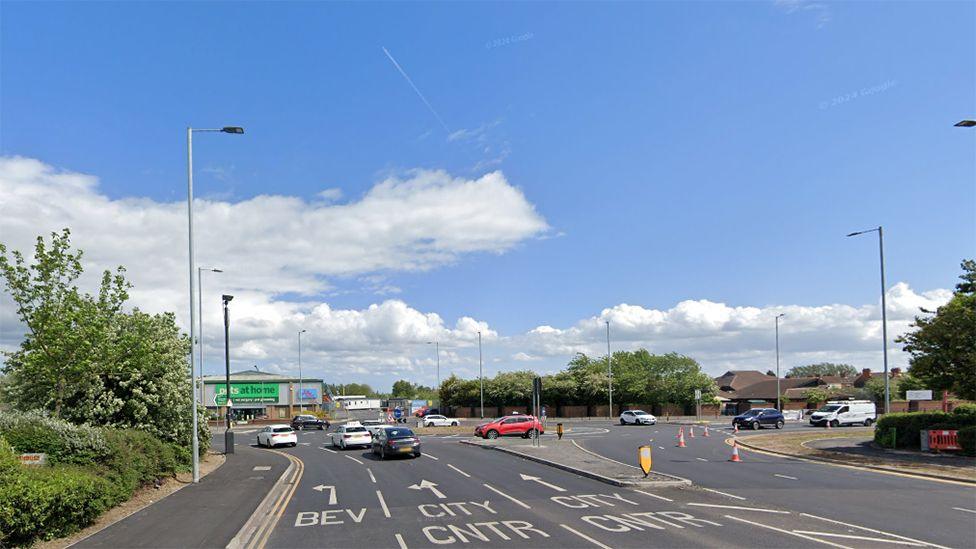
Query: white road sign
x=919, y=395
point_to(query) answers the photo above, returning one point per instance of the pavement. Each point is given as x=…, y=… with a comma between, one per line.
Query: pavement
x=868, y=448
x=456, y=494
x=208, y=514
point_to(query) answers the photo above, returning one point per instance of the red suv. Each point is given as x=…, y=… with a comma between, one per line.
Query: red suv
x=523, y=426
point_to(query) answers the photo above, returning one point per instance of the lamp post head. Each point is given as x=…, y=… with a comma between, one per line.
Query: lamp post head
x=781, y=315
x=965, y=124
x=216, y=270
x=227, y=298
x=232, y=129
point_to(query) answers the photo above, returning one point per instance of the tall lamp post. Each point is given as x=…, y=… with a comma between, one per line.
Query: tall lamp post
x=437, y=353
x=609, y=371
x=301, y=397
x=778, y=404
x=481, y=377
x=192, y=261
x=228, y=434
x=884, y=314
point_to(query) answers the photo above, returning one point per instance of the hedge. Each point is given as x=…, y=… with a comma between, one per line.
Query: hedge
x=967, y=439
x=91, y=471
x=908, y=426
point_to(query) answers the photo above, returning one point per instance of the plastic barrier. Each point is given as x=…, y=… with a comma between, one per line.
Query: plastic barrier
x=944, y=440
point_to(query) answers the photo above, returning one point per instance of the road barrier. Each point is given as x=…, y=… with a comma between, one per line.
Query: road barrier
x=944, y=440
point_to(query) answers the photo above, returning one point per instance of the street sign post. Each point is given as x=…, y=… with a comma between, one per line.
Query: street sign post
x=698, y=404
x=644, y=459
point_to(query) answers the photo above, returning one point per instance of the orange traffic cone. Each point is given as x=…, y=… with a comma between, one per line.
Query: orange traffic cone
x=735, y=452
x=681, y=432
x=681, y=439
x=692, y=431
x=705, y=434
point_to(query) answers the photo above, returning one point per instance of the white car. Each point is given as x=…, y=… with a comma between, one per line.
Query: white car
x=436, y=420
x=273, y=435
x=637, y=417
x=351, y=435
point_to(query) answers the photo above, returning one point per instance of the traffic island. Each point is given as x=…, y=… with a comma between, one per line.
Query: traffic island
x=855, y=447
x=569, y=456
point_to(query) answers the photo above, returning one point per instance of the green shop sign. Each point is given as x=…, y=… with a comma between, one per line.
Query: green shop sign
x=246, y=392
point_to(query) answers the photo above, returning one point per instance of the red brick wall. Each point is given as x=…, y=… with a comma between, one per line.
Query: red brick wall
x=509, y=410
x=572, y=411
x=603, y=409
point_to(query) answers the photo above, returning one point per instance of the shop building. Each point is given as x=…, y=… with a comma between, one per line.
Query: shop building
x=255, y=394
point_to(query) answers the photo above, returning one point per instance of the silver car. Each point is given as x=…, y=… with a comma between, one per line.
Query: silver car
x=637, y=417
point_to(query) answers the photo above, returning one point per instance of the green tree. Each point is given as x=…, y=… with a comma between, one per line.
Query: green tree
x=403, y=389
x=943, y=346
x=85, y=359
x=905, y=383
x=875, y=388
x=822, y=369
x=817, y=396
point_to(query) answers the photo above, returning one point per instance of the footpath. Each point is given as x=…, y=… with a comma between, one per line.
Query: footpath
x=208, y=514
x=569, y=456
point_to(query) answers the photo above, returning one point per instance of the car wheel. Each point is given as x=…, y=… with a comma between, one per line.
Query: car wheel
x=293, y=444
x=299, y=428
x=779, y=424
x=867, y=422
x=532, y=433
x=755, y=425
x=416, y=454
x=622, y=422
x=835, y=423
x=321, y=427
x=454, y=424
x=382, y=453
x=493, y=434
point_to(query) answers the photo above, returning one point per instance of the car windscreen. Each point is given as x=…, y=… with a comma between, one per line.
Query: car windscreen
x=283, y=430
x=355, y=429
x=752, y=413
x=399, y=433
x=829, y=408
x=640, y=413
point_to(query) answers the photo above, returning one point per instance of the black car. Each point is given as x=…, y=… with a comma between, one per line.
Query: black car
x=391, y=441
x=758, y=418
x=299, y=423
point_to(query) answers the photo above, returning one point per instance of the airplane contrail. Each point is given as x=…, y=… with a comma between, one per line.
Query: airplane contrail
x=414, y=86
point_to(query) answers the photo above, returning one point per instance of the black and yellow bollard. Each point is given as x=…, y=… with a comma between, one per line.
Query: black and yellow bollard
x=559, y=430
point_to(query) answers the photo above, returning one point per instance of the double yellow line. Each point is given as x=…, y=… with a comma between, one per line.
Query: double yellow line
x=261, y=536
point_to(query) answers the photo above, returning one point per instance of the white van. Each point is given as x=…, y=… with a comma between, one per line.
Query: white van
x=845, y=412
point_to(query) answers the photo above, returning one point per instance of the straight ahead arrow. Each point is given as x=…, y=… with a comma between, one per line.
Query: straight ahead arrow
x=542, y=482
x=332, y=493
x=428, y=484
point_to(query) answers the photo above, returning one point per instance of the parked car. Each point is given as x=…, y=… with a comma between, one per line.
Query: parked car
x=373, y=426
x=303, y=421
x=845, y=412
x=758, y=418
x=351, y=435
x=437, y=420
x=521, y=425
x=275, y=435
x=637, y=417
x=391, y=441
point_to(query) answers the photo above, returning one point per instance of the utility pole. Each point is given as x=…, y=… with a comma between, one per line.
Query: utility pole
x=884, y=315
x=481, y=376
x=778, y=404
x=609, y=371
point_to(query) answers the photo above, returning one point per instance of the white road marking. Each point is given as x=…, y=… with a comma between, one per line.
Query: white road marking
x=261, y=468
x=786, y=532
x=724, y=494
x=701, y=459
x=661, y=447
x=542, y=482
x=371, y=477
x=304, y=443
x=964, y=509
x=739, y=508
x=332, y=492
x=503, y=494
x=386, y=510
x=458, y=470
x=354, y=459
x=785, y=476
x=431, y=457
x=400, y=541
x=432, y=486
x=872, y=530
x=653, y=495
x=584, y=536
x=866, y=538
x=329, y=450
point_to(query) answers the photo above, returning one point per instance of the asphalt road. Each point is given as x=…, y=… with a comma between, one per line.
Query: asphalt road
x=461, y=495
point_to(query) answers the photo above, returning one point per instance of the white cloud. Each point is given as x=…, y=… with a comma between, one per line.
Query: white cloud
x=331, y=194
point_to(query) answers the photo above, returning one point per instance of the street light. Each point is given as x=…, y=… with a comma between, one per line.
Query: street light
x=437, y=352
x=228, y=434
x=481, y=377
x=192, y=261
x=609, y=371
x=965, y=124
x=778, y=404
x=301, y=397
x=884, y=314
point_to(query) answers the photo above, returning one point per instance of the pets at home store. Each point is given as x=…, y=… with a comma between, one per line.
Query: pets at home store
x=256, y=394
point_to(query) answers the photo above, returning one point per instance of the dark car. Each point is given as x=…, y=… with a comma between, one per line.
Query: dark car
x=393, y=441
x=299, y=423
x=758, y=418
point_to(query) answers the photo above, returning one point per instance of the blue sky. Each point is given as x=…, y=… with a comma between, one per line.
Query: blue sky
x=676, y=151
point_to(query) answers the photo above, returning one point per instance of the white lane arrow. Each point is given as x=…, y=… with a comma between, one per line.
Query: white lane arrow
x=428, y=484
x=542, y=482
x=332, y=493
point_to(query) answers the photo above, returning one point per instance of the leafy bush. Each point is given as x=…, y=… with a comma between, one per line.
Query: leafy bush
x=967, y=412
x=909, y=425
x=967, y=439
x=135, y=458
x=62, y=441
